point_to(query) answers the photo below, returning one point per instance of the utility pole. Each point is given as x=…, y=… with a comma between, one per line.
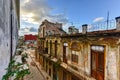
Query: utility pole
x=107, y=20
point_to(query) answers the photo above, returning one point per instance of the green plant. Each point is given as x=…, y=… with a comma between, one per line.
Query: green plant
x=24, y=56
x=16, y=70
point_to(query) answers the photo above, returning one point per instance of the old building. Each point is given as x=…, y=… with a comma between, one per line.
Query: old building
x=30, y=37
x=73, y=30
x=47, y=28
x=30, y=40
x=90, y=55
x=9, y=25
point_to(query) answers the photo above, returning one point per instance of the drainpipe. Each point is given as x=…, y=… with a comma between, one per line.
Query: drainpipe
x=11, y=30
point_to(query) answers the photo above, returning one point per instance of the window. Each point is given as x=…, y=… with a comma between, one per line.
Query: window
x=98, y=48
x=56, y=49
x=46, y=49
x=65, y=46
x=74, y=56
x=75, y=47
x=50, y=47
x=43, y=31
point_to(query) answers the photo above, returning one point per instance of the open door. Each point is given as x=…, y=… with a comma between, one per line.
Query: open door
x=97, y=62
x=64, y=54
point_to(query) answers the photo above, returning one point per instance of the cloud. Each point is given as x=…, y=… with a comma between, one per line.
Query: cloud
x=28, y=30
x=98, y=19
x=66, y=26
x=35, y=11
x=33, y=29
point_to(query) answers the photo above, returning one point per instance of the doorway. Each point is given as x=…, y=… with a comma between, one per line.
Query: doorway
x=56, y=49
x=50, y=48
x=97, y=62
x=64, y=54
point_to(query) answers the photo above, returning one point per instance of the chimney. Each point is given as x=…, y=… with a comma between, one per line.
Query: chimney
x=118, y=23
x=70, y=30
x=84, y=28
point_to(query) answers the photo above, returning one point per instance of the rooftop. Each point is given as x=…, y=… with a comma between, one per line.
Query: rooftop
x=112, y=32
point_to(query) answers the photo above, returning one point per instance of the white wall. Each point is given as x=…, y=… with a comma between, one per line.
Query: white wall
x=5, y=32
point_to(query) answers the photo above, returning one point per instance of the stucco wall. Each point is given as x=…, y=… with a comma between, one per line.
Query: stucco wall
x=5, y=34
x=112, y=63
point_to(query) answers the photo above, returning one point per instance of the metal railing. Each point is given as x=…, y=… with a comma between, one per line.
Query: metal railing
x=106, y=25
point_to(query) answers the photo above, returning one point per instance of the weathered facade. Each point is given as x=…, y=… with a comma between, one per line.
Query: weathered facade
x=83, y=56
x=48, y=28
x=9, y=25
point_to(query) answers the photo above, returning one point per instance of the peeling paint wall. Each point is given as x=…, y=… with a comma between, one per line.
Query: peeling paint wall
x=111, y=58
x=5, y=33
x=112, y=63
x=111, y=54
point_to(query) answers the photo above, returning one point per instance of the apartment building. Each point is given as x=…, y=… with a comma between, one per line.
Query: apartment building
x=89, y=55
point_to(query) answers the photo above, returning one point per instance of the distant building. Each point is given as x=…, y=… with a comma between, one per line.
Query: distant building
x=73, y=30
x=30, y=40
x=49, y=28
x=30, y=37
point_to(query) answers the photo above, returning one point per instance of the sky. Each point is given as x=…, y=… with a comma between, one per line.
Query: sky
x=67, y=12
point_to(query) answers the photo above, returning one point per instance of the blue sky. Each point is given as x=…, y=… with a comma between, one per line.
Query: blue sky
x=85, y=11
x=68, y=12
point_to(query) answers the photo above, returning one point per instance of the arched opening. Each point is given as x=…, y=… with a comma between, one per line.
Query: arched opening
x=46, y=48
x=43, y=45
x=56, y=49
x=65, y=46
x=43, y=31
x=50, y=47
